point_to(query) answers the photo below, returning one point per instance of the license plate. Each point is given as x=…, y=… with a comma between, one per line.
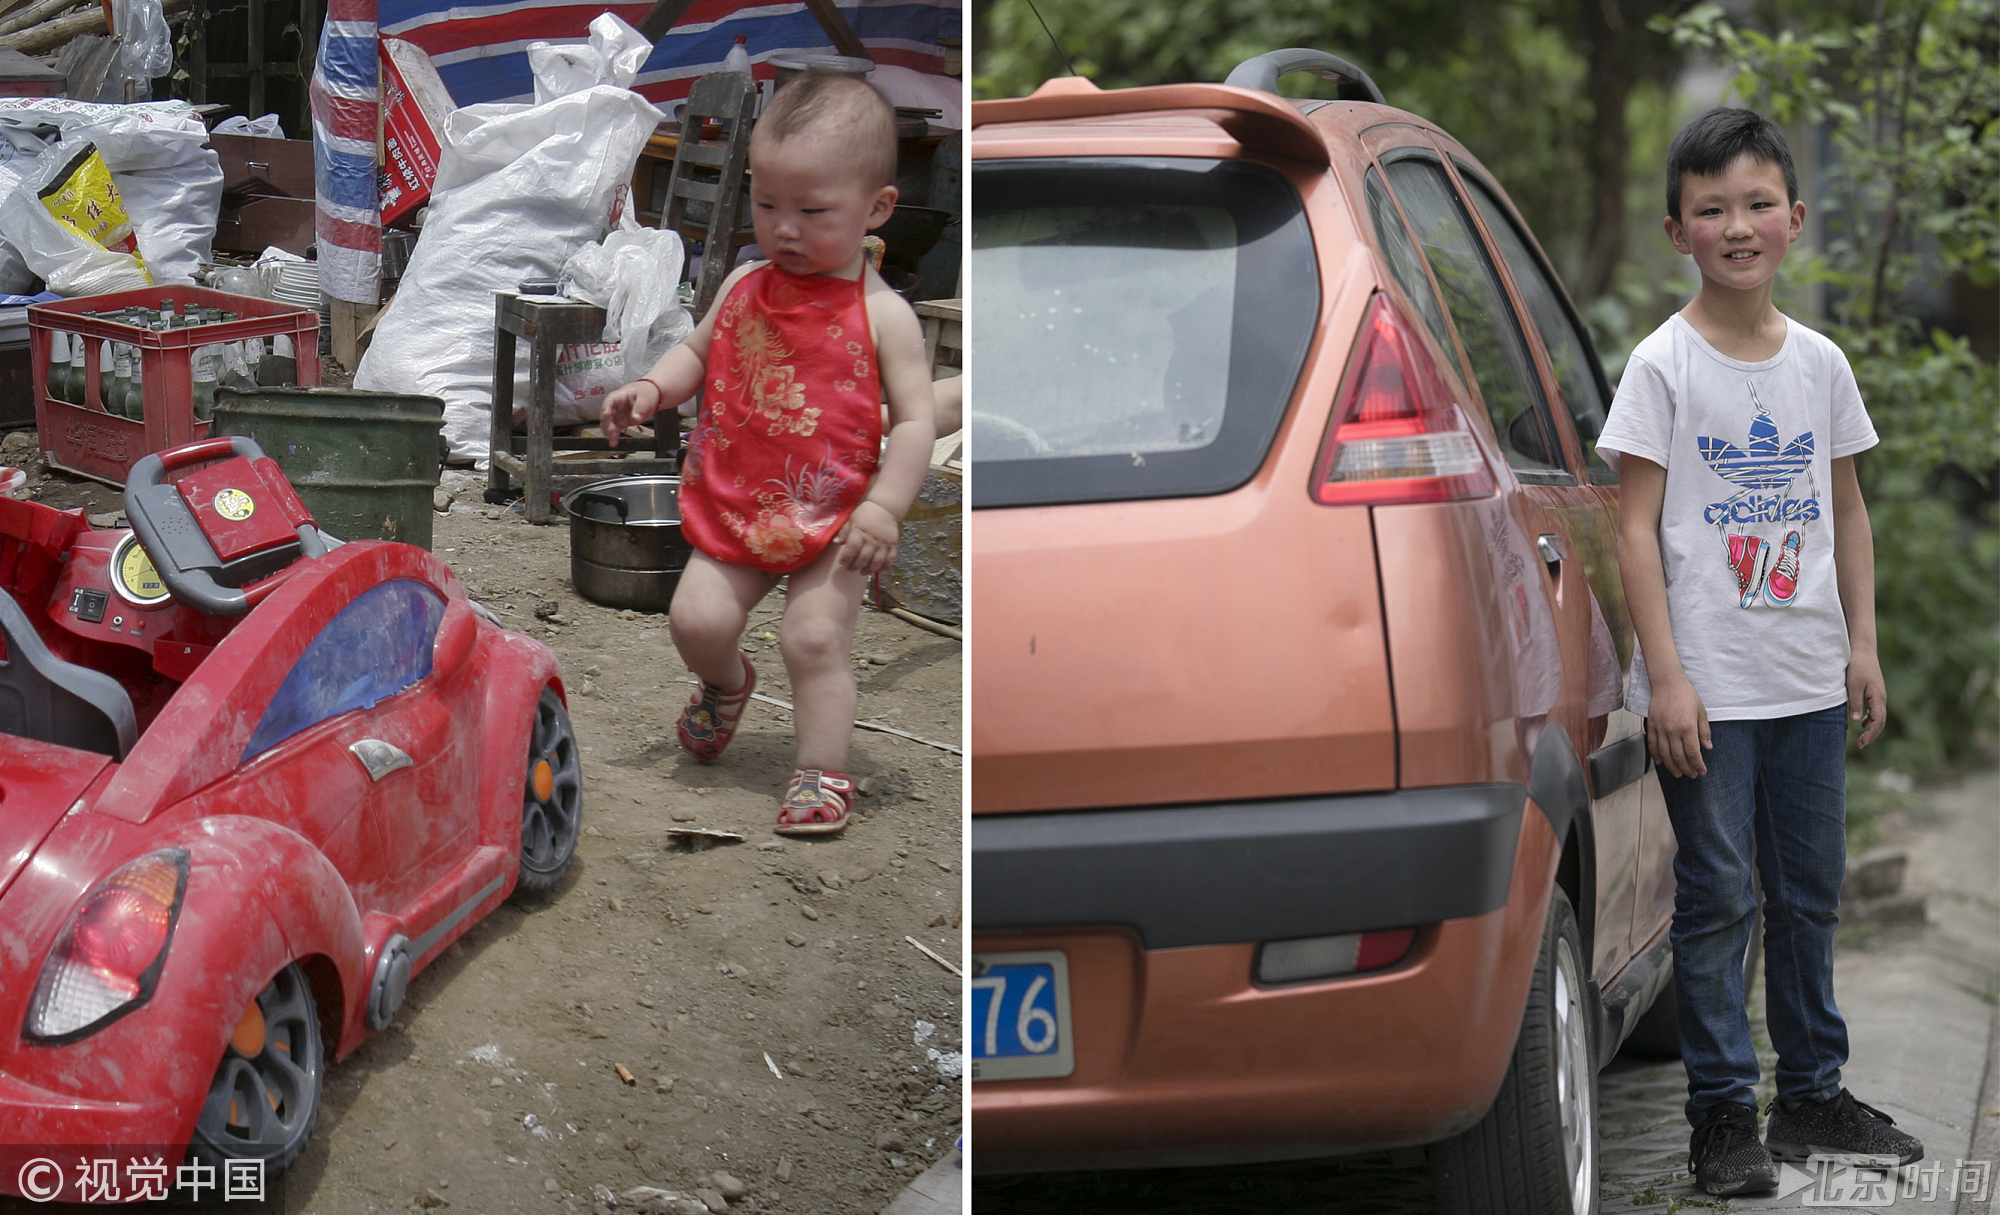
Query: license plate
x=1020, y=1016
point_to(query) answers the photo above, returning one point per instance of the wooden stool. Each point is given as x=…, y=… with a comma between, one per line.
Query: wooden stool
x=713, y=174
x=550, y=323
x=944, y=333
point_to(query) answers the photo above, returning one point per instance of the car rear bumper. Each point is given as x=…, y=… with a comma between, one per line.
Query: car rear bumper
x=1251, y=871
x=1181, y=1057
x=66, y=1131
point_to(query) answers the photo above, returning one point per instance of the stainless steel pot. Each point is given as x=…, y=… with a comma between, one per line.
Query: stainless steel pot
x=625, y=544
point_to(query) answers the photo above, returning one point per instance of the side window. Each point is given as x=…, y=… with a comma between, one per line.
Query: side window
x=1569, y=349
x=1407, y=265
x=377, y=646
x=1487, y=326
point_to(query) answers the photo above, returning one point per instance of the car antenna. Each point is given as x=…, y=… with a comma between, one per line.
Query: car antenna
x=1052, y=39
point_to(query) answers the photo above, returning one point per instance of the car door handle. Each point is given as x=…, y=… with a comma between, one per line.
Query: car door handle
x=380, y=758
x=1553, y=549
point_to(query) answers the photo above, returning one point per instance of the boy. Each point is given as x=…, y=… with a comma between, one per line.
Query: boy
x=786, y=472
x=1749, y=570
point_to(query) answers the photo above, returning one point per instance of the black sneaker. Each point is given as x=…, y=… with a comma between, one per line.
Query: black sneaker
x=1725, y=1156
x=1838, y=1126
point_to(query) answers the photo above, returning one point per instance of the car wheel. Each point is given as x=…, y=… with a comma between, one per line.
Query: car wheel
x=552, y=802
x=1535, y=1152
x=266, y=1092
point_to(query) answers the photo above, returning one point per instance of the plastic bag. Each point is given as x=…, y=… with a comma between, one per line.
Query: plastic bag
x=15, y=277
x=147, y=50
x=519, y=188
x=69, y=222
x=241, y=124
x=614, y=55
x=170, y=180
x=585, y=372
x=635, y=277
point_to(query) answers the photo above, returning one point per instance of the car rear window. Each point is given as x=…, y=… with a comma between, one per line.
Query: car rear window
x=1141, y=324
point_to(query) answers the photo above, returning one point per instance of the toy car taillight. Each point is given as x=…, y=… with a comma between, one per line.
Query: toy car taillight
x=112, y=950
x=1397, y=436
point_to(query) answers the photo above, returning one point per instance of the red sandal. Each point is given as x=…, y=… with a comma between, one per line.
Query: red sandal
x=815, y=803
x=708, y=724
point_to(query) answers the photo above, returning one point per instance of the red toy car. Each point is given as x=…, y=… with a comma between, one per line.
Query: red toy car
x=250, y=782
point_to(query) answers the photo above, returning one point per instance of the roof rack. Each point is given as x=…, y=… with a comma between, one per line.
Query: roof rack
x=1262, y=72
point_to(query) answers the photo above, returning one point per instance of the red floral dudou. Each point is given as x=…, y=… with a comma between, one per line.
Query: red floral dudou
x=791, y=421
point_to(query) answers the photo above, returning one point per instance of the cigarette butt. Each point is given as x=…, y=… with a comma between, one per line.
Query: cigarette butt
x=623, y=1074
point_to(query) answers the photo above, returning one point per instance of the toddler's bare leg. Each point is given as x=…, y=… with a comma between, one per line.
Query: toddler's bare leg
x=817, y=639
x=711, y=605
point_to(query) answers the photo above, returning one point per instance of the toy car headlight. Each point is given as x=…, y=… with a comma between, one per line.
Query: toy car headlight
x=111, y=952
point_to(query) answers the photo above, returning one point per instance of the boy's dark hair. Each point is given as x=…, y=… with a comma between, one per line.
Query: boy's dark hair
x=1712, y=142
x=853, y=109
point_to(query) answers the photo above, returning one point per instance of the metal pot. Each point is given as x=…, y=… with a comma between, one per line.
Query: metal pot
x=625, y=544
x=787, y=68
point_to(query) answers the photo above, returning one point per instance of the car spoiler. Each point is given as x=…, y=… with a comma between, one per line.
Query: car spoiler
x=1259, y=121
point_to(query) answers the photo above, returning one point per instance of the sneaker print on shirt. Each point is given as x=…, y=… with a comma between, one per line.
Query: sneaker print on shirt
x=1764, y=471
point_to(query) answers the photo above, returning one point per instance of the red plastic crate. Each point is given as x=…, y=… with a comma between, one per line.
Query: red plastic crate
x=84, y=439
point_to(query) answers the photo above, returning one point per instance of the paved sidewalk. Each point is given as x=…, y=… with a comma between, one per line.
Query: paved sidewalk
x=1920, y=1012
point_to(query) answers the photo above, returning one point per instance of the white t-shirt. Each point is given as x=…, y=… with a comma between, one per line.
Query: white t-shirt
x=1746, y=527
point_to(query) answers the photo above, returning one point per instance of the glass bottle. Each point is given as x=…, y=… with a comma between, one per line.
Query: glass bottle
x=105, y=368
x=57, y=383
x=73, y=383
x=121, y=382
x=135, y=394
x=204, y=383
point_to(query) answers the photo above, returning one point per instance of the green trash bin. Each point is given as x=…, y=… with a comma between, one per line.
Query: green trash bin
x=364, y=463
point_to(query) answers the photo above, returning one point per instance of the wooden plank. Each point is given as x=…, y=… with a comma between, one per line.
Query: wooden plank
x=35, y=14
x=834, y=22
x=663, y=16
x=50, y=35
x=350, y=321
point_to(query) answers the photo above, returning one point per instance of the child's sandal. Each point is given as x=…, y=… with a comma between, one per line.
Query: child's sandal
x=708, y=724
x=815, y=803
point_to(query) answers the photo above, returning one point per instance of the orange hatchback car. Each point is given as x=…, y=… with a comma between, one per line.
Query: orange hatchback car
x=1307, y=817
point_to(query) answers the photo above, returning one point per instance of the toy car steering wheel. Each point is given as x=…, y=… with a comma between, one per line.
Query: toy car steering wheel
x=193, y=563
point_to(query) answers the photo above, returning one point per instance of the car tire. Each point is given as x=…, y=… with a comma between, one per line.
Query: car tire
x=261, y=1104
x=552, y=798
x=1535, y=1152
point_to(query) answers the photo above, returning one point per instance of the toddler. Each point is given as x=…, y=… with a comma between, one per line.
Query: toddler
x=787, y=474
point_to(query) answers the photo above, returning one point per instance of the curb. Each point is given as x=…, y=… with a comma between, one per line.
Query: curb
x=1985, y=1143
x=939, y=1191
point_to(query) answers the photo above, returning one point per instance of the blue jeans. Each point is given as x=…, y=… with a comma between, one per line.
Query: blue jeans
x=1783, y=783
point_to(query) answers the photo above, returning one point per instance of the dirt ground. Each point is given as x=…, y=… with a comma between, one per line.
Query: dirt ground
x=779, y=1028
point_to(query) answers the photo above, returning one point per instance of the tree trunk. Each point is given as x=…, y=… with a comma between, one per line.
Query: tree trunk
x=1608, y=84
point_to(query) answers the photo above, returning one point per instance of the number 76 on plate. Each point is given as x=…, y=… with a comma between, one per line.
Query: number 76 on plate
x=1020, y=1027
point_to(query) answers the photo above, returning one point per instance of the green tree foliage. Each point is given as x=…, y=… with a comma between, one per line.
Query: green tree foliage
x=1513, y=81
x=1910, y=101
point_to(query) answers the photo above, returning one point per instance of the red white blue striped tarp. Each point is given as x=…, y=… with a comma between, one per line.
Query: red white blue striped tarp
x=480, y=50
x=344, y=91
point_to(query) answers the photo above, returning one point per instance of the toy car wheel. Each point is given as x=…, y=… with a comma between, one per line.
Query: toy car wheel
x=552, y=803
x=1535, y=1152
x=266, y=1093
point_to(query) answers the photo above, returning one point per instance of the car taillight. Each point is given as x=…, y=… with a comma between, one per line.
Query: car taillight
x=111, y=952
x=1397, y=436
